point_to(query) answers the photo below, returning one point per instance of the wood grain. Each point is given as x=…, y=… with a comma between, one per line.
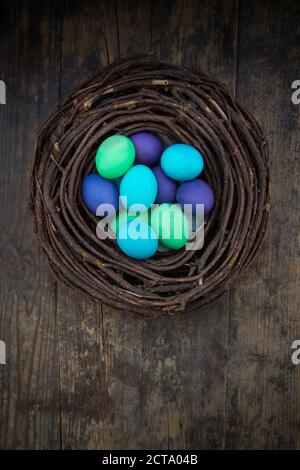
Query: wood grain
x=263, y=405
x=29, y=382
x=85, y=376
x=86, y=408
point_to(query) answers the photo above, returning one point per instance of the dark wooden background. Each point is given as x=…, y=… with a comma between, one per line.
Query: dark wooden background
x=80, y=376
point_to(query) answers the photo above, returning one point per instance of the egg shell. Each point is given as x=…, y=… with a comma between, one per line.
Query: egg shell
x=148, y=148
x=139, y=186
x=97, y=190
x=123, y=216
x=138, y=241
x=166, y=187
x=115, y=156
x=196, y=192
x=182, y=162
x=171, y=225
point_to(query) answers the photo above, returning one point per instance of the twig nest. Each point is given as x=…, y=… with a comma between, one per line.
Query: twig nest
x=179, y=106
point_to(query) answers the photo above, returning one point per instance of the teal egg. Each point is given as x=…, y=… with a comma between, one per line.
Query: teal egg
x=137, y=239
x=138, y=186
x=182, y=162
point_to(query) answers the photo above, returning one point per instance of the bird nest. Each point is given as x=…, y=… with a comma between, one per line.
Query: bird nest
x=179, y=105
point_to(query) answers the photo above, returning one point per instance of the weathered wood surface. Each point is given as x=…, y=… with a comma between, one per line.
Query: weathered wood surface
x=29, y=383
x=85, y=376
x=263, y=404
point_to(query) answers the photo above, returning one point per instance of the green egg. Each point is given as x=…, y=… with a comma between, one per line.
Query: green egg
x=115, y=156
x=116, y=221
x=171, y=225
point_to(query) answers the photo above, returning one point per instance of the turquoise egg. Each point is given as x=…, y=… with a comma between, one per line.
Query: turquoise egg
x=137, y=239
x=139, y=186
x=182, y=162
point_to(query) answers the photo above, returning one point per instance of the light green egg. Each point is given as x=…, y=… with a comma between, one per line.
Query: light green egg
x=171, y=225
x=115, y=156
x=116, y=221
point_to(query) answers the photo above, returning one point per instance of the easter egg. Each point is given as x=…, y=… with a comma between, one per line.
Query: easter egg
x=171, y=225
x=196, y=192
x=97, y=190
x=115, y=156
x=137, y=239
x=138, y=187
x=148, y=148
x=182, y=162
x=123, y=216
x=166, y=187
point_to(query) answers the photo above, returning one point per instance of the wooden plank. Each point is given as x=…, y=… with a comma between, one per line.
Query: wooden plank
x=89, y=40
x=29, y=382
x=87, y=408
x=194, y=358
x=137, y=419
x=134, y=26
x=263, y=404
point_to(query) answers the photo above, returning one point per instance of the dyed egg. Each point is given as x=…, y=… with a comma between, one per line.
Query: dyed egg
x=123, y=216
x=138, y=187
x=171, y=225
x=148, y=148
x=96, y=191
x=137, y=239
x=115, y=156
x=182, y=162
x=196, y=192
x=166, y=187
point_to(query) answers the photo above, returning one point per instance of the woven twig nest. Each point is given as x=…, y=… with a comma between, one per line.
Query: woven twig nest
x=180, y=106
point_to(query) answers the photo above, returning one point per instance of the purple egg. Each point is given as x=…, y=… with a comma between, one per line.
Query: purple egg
x=196, y=192
x=166, y=187
x=148, y=148
x=97, y=190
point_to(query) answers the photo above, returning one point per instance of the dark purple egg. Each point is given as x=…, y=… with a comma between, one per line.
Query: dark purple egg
x=148, y=148
x=196, y=192
x=166, y=187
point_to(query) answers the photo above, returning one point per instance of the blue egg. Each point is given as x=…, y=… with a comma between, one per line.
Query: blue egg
x=97, y=190
x=138, y=186
x=137, y=239
x=182, y=162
